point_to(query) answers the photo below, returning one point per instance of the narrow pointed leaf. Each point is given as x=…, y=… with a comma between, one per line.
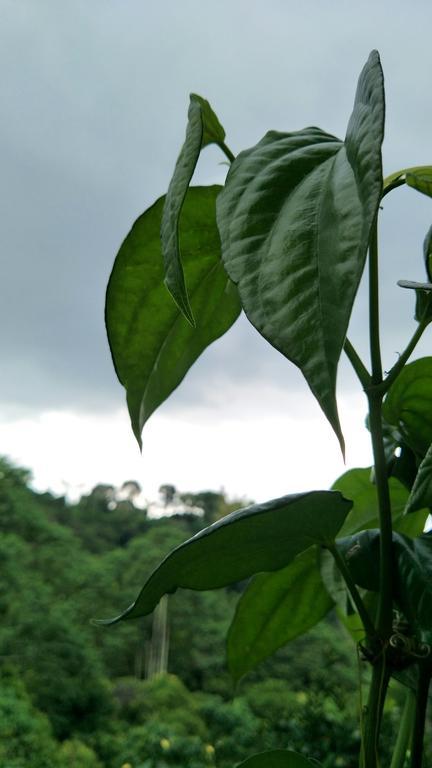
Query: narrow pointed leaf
x=295, y=218
x=421, y=492
x=277, y=758
x=274, y=609
x=356, y=484
x=263, y=537
x=152, y=344
x=408, y=405
x=203, y=128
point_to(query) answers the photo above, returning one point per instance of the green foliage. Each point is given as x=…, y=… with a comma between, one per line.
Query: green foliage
x=274, y=609
x=298, y=219
x=25, y=733
x=263, y=537
x=152, y=344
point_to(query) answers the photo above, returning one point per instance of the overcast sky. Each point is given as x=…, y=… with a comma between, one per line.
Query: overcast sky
x=93, y=113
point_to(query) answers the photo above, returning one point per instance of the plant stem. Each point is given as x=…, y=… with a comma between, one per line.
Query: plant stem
x=352, y=588
x=380, y=671
x=374, y=332
x=406, y=354
x=358, y=365
x=373, y=716
x=420, y=718
x=226, y=150
x=404, y=733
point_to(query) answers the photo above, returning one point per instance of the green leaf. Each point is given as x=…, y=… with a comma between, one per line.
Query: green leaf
x=421, y=492
x=277, y=758
x=203, y=128
x=274, y=609
x=152, y=345
x=356, y=485
x=421, y=180
x=417, y=176
x=427, y=253
x=412, y=571
x=263, y=537
x=295, y=218
x=414, y=579
x=408, y=405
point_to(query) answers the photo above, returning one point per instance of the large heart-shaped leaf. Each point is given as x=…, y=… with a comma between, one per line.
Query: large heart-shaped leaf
x=263, y=537
x=277, y=758
x=152, y=344
x=408, y=405
x=421, y=492
x=356, y=485
x=295, y=218
x=203, y=128
x=274, y=609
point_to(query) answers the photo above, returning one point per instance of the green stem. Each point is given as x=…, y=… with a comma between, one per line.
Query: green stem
x=404, y=733
x=380, y=671
x=420, y=719
x=373, y=716
x=404, y=357
x=226, y=150
x=374, y=331
x=358, y=365
x=385, y=600
x=352, y=588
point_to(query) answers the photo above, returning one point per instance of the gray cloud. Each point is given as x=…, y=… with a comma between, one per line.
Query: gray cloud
x=94, y=103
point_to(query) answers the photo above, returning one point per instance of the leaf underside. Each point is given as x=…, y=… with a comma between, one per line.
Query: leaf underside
x=408, y=405
x=203, y=128
x=152, y=344
x=263, y=537
x=274, y=609
x=295, y=218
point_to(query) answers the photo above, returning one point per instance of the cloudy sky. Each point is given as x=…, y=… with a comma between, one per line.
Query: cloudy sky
x=93, y=113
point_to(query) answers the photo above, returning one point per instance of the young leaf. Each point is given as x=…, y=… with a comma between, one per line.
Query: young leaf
x=421, y=180
x=421, y=492
x=152, y=344
x=356, y=485
x=274, y=609
x=408, y=405
x=277, y=758
x=295, y=218
x=263, y=537
x=203, y=128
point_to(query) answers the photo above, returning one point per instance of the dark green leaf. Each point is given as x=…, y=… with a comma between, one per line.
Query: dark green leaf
x=264, y=537
x=421, y=493
x=420, y=179
x=277, y=758
x=295, y=218
x=412, y=576
x=423, y=308
x=203, y=128
x=408, y=405
x=152, y=345
x=356, y=485
x=427, y=253
x=274, y=609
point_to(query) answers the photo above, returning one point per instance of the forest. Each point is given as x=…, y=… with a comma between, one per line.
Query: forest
x=153, y=692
